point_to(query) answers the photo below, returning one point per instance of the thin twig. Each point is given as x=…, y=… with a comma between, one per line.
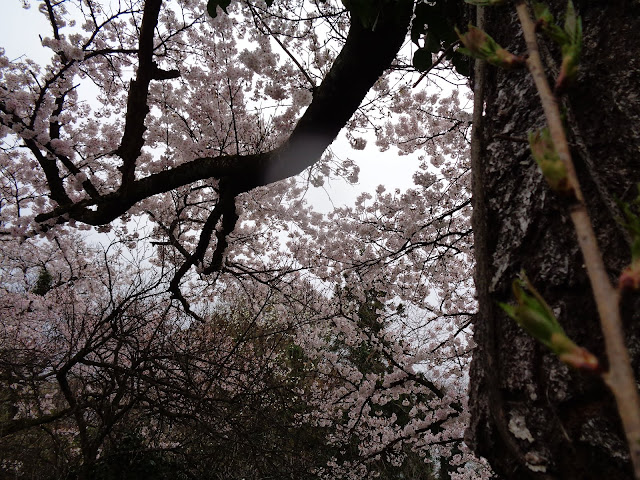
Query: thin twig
x=286, y=50
x=620, y=378
x=435, y=64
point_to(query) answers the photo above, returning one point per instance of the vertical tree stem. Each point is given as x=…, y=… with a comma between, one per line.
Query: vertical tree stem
x=620, y=378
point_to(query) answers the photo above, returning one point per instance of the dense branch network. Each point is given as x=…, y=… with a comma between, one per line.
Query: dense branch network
x=188, y=152
x=364, y=57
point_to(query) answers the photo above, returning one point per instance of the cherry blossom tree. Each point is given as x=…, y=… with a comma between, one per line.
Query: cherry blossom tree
x=102, y=356
x=227, y=327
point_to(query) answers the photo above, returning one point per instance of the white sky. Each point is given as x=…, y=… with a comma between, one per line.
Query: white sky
x=19, y=30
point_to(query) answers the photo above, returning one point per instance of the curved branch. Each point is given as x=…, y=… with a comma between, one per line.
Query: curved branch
x=364, y=57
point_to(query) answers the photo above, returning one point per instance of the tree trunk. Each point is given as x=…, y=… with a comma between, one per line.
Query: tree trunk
x=531, y=416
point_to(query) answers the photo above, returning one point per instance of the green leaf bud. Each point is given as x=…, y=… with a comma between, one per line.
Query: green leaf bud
x=479, y=45
x=550, y=163
x=535, y=316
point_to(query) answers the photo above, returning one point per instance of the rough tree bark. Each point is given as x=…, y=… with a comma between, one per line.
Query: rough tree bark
x=531, y=416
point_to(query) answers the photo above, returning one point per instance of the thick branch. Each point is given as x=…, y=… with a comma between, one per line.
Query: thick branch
x=364, y=57
x=17, y=425
x=137, y=107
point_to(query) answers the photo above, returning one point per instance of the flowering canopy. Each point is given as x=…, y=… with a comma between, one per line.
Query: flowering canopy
x=222, y=302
